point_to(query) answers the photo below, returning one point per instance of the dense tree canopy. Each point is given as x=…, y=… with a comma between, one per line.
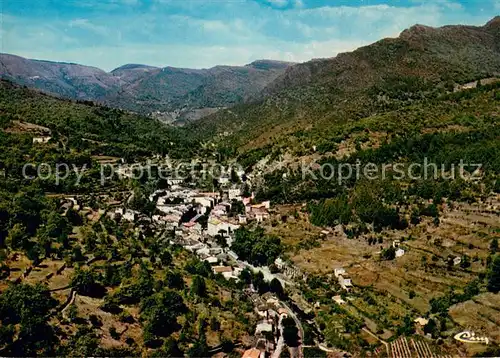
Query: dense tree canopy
x=256, y=247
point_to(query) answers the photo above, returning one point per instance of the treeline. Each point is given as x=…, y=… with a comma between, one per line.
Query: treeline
x=256, y=247
x=116, y=132
x=331, y=201
x=363, y=204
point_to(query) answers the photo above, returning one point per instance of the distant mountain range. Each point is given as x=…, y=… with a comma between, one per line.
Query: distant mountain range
x=172, y=94
x=271, y=96
x=423, y=62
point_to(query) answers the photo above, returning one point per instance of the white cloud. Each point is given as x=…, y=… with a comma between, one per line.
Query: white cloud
x=88, y=25
x=299, y=3
x=278, y=3
x=220, y=33
x=285, y=3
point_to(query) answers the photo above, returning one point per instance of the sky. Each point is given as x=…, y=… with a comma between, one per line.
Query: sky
x=202, y=34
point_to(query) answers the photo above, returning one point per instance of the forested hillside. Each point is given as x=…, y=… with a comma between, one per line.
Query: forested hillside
x=99, y=129
x=75, y=279
x=313, y=98
x=145, y=89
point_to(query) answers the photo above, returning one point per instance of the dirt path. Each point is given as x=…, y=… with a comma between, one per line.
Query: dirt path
x=379, y=339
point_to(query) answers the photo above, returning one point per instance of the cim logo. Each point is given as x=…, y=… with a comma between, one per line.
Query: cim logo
x=470, y=337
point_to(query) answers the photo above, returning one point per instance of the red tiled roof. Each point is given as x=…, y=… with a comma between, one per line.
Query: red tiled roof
x=251, y=353
x=221, y=269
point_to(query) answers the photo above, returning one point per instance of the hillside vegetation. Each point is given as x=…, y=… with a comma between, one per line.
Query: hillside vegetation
x=311, y=99
x=76, y=281
x=145, y=89
x=101, y=130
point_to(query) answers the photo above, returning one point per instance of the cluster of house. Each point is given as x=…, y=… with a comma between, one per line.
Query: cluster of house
x=267, y=330
x=343, y=279
x=213, y=243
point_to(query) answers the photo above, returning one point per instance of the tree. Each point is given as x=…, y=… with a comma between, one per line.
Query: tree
x=7, y=334
x=308, y=338
x=235, y=179
x=84, y=281
x=171, y=349
x=389, y=253
x=494, y=275
x=17, y=237
x=290, y=332
x=472, y=289
x=214, y=324
x=165, y=258
x=161, y=311
x=408, y=327
x=431, y=327
x=246, y=276
x=23, y=302
x=276, y=287
x=246, y=191
x=259, y=283
x=72, y=312
x=465, y=263
x=174, y=280
x=256, y=247
x=314, y=352
x=28, y=305
x=113, y=333
x=221, y=240
x=199, y=348
x=198, y=287
x=237, y=208
x=494, y=246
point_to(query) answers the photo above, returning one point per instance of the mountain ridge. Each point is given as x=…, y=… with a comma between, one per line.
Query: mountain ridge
x=143, y=88
x=423, y=62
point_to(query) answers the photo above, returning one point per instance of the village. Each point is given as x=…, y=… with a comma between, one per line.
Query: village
x=204, y=223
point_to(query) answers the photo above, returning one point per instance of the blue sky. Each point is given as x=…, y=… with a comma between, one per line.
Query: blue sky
x=200, y=34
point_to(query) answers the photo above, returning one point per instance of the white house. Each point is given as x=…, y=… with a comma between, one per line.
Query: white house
x=223, y=180
x=345, y=283
x=203, y=251
x=215, y=226
x=212, y=260
x=129, y=215
x=41, y=140
x=263, y=327
x=279, y=263
x=195, y=247
x=421, y=321
x=174, y=181
x=226, y=271
x=400, y=252
x=261, y=215
x=339, y=272
x=237, y=271
x=219, y=210
x=338, y=300
x=204, y=201
x=234, y=194
x=242, y=219
x=272, y=301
